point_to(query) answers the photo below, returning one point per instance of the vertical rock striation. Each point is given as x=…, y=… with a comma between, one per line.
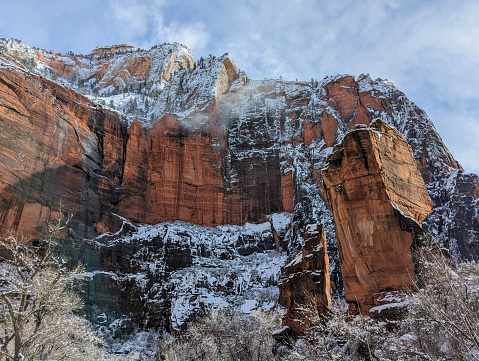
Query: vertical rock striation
x=305, y=284
x=235, y=149
x=158, y=136
x=56, y=147
x=371, y=177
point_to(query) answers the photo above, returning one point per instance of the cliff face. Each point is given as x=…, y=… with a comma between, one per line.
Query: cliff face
x=305, y=284
x=56, y=146
x=161, y=276
x=156, y=136
x=171, y=175
x=257, y=146
x=371, y=176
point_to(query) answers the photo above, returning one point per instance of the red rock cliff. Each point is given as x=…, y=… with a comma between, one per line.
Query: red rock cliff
x=58, y=147
x=370, y=177
x=55, y=146
x=265, y=142
x=171, y=175
x=305, y=283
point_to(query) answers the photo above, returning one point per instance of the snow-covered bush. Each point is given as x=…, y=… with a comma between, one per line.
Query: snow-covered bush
x=443, y=320
x=37, y=319
x=441, y=323
x=225, y=334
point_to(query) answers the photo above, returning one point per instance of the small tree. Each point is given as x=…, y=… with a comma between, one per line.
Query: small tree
x=36, y=304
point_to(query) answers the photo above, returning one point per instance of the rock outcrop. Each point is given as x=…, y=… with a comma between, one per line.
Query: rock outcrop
x=58, y=147
x=55, y=147
x=371, y=182
x=160, y=276
x=305, y=285
x=266, y=141
x=153, y=135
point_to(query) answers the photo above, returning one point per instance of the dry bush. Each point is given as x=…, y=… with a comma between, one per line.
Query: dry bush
x=224, y=334
x=444, y=310
x=335, y=336
x=442, y=322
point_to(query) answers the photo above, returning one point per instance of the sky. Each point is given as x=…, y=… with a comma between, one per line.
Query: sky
x=428, y=48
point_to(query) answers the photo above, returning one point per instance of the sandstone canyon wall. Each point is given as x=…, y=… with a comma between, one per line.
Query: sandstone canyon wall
x=305, y=284
x=124, y=136
x=371, y=177
x=56, y=147
x=209, y=145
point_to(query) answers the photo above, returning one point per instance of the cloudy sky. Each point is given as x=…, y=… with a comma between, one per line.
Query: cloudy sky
x=428, y=48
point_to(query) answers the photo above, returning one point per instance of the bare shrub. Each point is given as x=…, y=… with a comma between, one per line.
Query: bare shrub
x=224, y=334
x=443, y=312
x=37, y=320
x=336, y=335
x=442, y=320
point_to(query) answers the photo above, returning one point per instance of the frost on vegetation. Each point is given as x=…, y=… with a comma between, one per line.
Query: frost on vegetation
x=39, y=312
x=440, y=322
x=226, y=334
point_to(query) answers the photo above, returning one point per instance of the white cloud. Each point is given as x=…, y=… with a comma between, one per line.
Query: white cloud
x=429, y=49
x=193, y=35
x=131, y=15
x=148, y=21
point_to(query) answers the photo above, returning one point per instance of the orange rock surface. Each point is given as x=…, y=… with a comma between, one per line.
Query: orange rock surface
x=305, y=283
x=57, y=147
x=169, y=175
x=371, y=176
x=344, y=97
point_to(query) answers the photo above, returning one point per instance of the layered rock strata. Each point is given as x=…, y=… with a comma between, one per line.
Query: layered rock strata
x=161, y=276
x=209, y=145
x=56, y=147
x=371, y=182
x=265, y=142
x=305, y=284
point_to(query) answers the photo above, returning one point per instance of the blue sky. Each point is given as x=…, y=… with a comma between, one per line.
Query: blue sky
x=429, y=49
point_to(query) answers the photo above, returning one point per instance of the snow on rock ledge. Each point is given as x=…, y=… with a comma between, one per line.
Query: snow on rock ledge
x=167, y=273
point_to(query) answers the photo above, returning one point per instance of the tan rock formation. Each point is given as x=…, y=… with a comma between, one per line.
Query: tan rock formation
x=305, y=282
x=371, y=177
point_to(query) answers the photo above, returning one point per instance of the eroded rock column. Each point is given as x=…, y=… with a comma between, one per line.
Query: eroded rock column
x=305, y=282
x=371, y=179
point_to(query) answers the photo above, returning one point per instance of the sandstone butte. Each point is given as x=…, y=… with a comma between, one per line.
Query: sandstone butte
x=371, y=182
x=305, y=283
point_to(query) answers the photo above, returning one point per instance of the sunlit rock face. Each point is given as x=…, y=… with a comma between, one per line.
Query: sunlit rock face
x=56, y=147
x=209, y=145
x=370, y=178
x=155, y=136
x=305, y=289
